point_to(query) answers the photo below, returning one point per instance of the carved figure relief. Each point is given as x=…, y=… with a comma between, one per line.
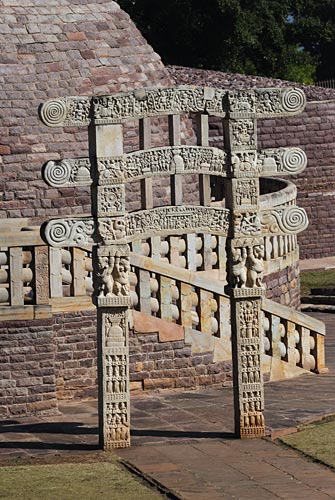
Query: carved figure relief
x=255, y=266
x=245, y=164
x=268, y=101
x=117, y=419
x=247, y=266
x=248, y=321
x=245, y=192
x=243, y=133
x=161, y=161
x=41, y=275
x=239, y=267
x=170, y=219
x=247, y=223
x=113, y=275
x=116, y=374
x=156, y=101
x=241, y=101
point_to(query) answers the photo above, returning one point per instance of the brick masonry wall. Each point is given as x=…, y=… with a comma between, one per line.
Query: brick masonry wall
x=284, y=286
x=27, y=380
x=94, y=48
x=75, y=354
x=169, y=365
x=313, y=131
x=69, y=48
x=153, y=364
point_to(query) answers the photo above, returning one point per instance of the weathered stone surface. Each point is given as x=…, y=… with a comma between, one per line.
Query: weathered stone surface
x=312, y=131
x=167, y=331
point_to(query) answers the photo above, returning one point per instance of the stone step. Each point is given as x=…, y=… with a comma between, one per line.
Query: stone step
x=319, y=299
x=324, y=308
x=330, y=291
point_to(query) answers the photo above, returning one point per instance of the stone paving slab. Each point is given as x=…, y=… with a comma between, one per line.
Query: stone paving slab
x=254, y=469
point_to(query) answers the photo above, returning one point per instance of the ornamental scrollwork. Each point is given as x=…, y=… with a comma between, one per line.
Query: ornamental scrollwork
x=265, y=102
x=70, y=172
x=281, y=161
x=66, y=111
x=271, y=102
x=247, y=223
x=69, y=232
x=141, y=103
x=284, y=220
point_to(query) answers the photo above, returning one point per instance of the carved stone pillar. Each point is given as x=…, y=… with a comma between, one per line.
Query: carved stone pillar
x=245, y=251
x=111, y=271
x=111, y=283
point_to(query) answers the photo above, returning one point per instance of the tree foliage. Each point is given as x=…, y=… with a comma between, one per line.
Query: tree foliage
x=288, y=39
x=314, y=29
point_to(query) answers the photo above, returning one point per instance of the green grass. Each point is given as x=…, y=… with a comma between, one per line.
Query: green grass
x=316, y=279
x=315, y=440
x=106, y=480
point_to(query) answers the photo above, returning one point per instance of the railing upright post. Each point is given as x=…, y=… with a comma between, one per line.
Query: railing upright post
x=15, y=273
x=145, y=143
x=176, y=178
x=41, y=275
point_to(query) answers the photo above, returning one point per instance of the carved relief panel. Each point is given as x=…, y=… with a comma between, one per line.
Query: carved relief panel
x=249, y=375
x=112, y=276
x=246, y=264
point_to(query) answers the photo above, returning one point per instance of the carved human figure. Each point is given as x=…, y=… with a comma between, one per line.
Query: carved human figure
x=239, y=267
x=255, y=266
x=106, y=265
x=120, y=275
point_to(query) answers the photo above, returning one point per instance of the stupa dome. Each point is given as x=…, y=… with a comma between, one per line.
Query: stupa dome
x=54, y=49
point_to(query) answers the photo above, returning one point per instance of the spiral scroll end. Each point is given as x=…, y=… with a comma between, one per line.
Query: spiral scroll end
x=53, y=112
x=293, y=100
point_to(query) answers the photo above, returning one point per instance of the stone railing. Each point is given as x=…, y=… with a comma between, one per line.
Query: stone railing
x=197, y=302
x=32, y=273
x=293, y=337
x=183, y=283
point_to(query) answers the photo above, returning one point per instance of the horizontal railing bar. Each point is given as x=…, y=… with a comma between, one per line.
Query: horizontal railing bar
x=21, y=238
x=189, y=277
x=294, y=316
x=211, y=285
